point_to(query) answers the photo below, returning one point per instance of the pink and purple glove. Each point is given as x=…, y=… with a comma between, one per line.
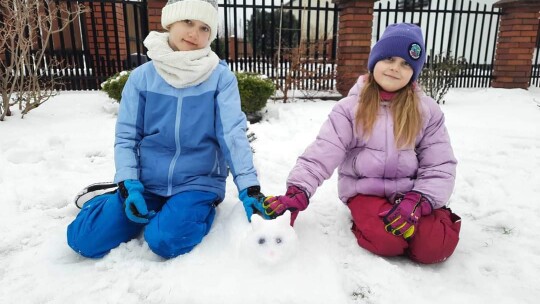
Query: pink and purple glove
x=403, y=217
x=295, y=200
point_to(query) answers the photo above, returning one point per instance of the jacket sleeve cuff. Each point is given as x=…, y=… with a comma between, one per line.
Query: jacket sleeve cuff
x=125, y=174
x=243, y=182
x=303, y=188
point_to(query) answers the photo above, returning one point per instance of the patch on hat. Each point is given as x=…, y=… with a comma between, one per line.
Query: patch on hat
x=415, y=51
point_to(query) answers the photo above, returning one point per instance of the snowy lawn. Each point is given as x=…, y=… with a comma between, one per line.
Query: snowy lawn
x=67, y=143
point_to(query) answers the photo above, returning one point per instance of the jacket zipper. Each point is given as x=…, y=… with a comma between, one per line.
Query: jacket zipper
x=177, y=142
x=387, y=138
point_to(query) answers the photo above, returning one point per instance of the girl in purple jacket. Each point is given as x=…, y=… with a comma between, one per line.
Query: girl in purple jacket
x=395, y=162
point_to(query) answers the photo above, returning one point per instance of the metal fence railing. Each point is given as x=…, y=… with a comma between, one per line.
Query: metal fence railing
x=292, y=42
x=112, y=36
x=105, y=39
x=462, y=29
x=535, y=73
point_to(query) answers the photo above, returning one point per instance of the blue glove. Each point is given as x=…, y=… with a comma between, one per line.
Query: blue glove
x=134, y=205
x=252, y=198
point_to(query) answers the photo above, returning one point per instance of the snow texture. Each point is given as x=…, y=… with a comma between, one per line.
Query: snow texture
x=67, y=143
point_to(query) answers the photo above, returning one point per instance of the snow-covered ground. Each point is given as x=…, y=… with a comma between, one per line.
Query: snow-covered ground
x=67, y=143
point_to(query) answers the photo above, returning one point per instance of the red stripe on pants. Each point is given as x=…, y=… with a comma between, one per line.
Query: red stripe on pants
x=434, y=241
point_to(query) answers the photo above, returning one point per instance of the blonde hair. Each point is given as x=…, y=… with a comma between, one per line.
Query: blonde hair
x=405, y=109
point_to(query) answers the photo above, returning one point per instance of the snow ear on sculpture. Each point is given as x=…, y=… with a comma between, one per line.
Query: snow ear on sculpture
x=285, y=218
x=256, y=221
x=270, y=242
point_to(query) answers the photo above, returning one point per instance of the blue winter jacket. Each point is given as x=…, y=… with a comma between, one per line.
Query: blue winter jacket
x=174, y=140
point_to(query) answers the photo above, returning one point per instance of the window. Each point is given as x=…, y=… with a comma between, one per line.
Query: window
x=411, y=5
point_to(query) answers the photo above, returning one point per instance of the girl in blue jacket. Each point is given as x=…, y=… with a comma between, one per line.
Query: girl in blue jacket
x=179, y=131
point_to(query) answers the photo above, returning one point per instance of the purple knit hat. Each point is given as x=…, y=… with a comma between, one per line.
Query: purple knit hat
x=404, y=40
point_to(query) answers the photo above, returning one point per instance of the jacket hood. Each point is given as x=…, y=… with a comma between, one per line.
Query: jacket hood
x=357, y=87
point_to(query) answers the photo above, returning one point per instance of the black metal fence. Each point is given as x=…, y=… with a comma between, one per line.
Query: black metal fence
x=112, y=35
x=115, y=44
x=293, y=43
x=461, y=29
x=105, y=39
x=535, y=75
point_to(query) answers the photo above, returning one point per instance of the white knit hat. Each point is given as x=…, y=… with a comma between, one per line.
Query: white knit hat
x=202, y=10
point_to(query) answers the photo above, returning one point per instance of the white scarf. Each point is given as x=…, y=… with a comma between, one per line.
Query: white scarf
x=180, y=69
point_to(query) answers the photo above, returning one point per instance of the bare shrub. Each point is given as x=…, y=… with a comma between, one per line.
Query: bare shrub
x=29, y=76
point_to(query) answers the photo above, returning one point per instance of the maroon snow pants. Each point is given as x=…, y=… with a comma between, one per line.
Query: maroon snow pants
x=434, y=241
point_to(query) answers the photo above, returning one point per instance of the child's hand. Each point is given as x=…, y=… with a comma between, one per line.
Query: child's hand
x=294, y=200
x=134, y=203
x=252, y=199
x=403, y=217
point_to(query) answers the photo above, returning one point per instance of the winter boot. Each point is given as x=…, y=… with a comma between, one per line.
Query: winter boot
x=92, y=191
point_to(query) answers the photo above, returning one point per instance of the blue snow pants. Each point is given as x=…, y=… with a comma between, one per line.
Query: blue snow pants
x=181, y=222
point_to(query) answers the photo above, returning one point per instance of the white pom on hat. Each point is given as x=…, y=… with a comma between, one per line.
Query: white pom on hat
x=203, y=10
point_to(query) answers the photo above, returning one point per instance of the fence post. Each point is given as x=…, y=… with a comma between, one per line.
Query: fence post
x=354, y=42
x=517, y=37
x=154, y=15
x=106, y=44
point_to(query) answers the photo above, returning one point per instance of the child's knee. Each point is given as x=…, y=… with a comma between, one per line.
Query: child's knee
x=83, y=242
x=99, y=227
x=169, y=242
x=368, y=226
x=436, y=238
x=181, y=224
x=376, y=240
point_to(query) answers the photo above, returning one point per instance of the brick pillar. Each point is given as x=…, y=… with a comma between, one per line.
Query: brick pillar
x=107, y=37
x=517, y=37
x=354, y=41
x=154, y=15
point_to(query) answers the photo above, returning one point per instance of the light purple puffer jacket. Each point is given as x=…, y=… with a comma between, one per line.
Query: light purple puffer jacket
x=376, y=166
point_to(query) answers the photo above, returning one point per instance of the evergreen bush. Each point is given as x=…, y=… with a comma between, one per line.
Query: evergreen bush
x=254, y=93
x=114, y=85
